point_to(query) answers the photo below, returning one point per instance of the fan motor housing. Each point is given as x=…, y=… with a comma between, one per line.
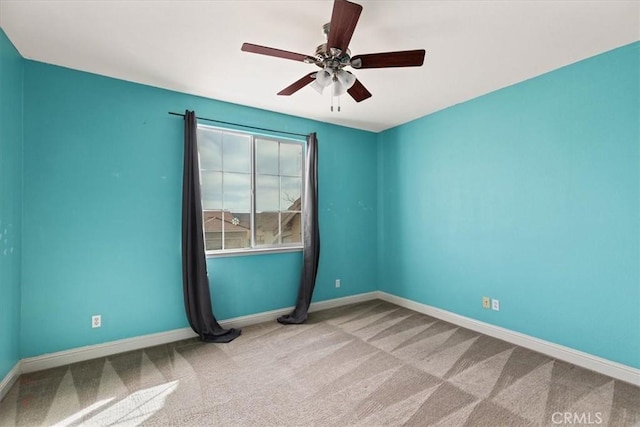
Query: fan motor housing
x=331, y=58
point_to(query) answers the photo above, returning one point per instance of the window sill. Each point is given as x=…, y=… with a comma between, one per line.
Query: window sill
x=257, y=251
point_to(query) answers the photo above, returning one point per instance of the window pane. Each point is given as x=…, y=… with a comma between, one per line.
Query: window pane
x=211, y=189
x=236, y=153
x=212, y=230
x=210, y=149
x=267, y=156
x=290, y=194
x=267, y=232
x=237, y=192
x=267, y=193
x=237, y=230
x=291, y=227
x=291, y=159
x=231, y=163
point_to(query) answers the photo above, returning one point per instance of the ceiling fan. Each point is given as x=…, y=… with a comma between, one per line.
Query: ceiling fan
x=334, y=55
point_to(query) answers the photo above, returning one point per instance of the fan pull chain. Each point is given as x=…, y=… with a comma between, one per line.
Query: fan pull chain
x=332, y=103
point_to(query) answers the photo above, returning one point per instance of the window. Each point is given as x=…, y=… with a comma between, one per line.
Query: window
x=251, y=191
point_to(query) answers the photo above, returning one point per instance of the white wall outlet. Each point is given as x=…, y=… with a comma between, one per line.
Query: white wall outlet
x=96, y=321
x=337, y=283
x=495, y=305
x=486, y=302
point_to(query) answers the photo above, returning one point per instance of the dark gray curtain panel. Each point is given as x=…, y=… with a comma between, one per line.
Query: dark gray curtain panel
x=197, y=298
x=311, y=251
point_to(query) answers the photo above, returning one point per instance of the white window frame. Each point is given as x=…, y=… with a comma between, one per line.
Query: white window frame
x=255, y=249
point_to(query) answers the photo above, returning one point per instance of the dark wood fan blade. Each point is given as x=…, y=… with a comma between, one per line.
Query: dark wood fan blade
x=343, y=23
x=270, y=51
x=359, y=92
x=289, y=90
x=405, y=58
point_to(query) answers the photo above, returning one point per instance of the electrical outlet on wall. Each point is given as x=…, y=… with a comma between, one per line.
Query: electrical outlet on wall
x=338, y=283
x=495, y=305
x=486, y=302
x=96, y=321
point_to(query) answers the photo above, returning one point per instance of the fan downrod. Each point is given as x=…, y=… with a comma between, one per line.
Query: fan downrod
x=330, y=58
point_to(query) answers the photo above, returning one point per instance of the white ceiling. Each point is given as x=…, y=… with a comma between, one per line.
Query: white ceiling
x=473, y=47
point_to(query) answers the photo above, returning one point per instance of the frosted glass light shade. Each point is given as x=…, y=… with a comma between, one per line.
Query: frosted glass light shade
x=323, y=77
x=346, y=78
x=338, y=88
x=317, y=86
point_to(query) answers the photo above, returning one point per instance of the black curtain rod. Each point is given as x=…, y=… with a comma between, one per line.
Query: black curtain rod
x=241, y=125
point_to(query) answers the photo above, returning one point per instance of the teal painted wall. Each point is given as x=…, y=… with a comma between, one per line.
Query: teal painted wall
x=529, y=195
x=11, y=74
x=102, y=180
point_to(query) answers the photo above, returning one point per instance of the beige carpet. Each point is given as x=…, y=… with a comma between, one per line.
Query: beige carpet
x=367, y=364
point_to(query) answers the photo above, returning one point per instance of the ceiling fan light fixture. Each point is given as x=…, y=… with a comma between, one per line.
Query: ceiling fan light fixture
x=346, y=78
x=338, y=88
x=333, y=55
x=317, y=86
x=323, y=78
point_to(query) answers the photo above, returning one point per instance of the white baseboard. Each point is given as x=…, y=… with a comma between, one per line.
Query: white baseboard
x=585, y=360
x=79, y=354
x=579, y=358
x=9, y=380
x=339, y=302
x=61, y=358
